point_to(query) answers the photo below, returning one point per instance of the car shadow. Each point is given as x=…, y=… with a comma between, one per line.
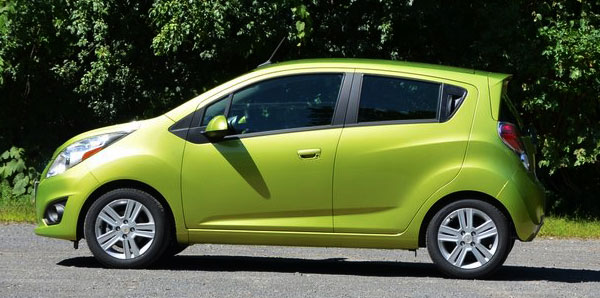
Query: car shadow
x=234, y=151
x=342, y=266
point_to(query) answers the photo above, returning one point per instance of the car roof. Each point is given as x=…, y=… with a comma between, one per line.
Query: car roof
x=424, y=68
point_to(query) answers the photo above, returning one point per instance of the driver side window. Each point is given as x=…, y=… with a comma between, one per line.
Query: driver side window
x=280, y=103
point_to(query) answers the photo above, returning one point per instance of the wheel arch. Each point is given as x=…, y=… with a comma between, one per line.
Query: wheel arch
x=125, y=183
x=456, y=196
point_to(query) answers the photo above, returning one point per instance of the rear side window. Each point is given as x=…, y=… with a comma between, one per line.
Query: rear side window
x=389, y=99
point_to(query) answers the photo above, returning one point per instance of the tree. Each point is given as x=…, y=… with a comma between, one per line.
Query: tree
x=68, y=66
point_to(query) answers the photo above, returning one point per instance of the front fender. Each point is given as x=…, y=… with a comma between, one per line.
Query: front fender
x=151, y=155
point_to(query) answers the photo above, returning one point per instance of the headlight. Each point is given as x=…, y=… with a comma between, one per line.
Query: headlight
x=82, y=150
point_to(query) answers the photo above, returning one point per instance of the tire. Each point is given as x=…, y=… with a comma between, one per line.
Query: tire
x=109, y=231
x=455, y=245
x=174, y=249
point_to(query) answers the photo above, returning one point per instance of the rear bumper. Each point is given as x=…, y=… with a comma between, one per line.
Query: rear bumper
x=524, y=197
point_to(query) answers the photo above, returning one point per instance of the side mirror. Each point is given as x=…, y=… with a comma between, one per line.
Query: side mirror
x=217, y=127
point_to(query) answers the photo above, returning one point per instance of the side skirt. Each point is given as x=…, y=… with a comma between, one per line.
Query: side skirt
x=397, y=241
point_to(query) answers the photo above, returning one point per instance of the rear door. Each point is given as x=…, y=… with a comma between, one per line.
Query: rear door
x=405, y=137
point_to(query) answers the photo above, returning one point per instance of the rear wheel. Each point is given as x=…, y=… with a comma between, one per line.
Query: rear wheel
x=126, y=228
x=174, y=249
x=468, y=239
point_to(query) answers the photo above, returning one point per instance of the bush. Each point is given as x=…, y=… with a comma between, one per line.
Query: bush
x=14, y=173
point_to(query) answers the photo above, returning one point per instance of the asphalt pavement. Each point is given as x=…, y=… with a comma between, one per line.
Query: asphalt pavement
x=33, y=266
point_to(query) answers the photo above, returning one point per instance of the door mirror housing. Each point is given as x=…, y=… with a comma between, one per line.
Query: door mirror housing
x=217, y=127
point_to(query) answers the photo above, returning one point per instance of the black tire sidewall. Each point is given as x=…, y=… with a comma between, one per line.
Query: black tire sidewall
x=504, y=240
x=161, y=236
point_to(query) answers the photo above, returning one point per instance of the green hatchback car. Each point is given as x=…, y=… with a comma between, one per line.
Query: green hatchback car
x=324, y=152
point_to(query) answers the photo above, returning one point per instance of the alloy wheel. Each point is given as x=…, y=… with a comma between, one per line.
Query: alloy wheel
x=467, y=238
x=125, y=229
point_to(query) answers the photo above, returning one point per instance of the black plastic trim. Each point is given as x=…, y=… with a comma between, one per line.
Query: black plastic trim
x=181, y=127
x=354, y=100
x=197, y=136
x=452, y=99
x=341, y=107
x=63, y=202
x=392, y=122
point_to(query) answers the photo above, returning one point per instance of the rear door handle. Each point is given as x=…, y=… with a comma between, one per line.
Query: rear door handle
x=309, y=153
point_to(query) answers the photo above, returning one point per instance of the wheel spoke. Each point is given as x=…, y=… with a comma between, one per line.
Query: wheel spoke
x=458, y=255
x=145, y=230
x=489, y=233
x=135, y=251
x=489, y=224
x=144, y=234
x=462, y=220
x=126, y=249
x=129, y=209
x=110, y=216
x=102, y=238
x=448, y=234
x=484, y=250
x=469, y=215
x=480, y=258
x=136, y=212
x=109, y=243
x=148, y=227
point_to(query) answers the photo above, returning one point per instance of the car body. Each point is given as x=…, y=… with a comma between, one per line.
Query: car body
x=333, y=163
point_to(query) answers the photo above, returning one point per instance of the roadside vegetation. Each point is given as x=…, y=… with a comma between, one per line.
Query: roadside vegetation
x=15, y=208
x=563, y=227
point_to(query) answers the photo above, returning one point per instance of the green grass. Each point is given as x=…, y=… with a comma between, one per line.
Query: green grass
x=15, y=208
x=561, y=227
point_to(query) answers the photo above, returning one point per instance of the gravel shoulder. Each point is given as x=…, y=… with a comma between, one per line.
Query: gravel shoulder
x=33, y=266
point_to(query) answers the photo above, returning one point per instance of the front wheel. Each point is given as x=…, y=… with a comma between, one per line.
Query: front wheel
x=468, y=239
x=126, y=228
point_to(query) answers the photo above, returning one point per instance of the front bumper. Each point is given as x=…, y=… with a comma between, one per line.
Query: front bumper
x=74, y=185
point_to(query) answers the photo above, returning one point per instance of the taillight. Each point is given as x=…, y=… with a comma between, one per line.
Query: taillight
x=509, y=134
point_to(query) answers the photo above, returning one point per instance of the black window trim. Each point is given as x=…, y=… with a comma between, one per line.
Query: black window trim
x=195, y=131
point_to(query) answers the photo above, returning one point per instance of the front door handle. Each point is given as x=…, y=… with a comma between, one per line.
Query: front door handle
x=309, y=153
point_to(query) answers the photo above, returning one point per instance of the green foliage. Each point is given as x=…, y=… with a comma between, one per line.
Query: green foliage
x=14, y=172
x=566, y=97
x=68, y=66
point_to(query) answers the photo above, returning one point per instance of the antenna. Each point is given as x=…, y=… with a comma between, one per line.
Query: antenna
x=272, y=55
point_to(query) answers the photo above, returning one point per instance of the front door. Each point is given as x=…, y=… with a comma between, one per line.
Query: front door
x=275, y=171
